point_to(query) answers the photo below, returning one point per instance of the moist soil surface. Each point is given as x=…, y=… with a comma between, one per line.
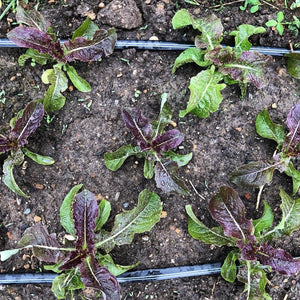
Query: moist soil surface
x=90, y=124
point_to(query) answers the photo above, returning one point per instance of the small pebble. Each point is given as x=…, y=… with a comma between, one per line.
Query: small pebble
x=37, y=219
x=153, y=38
x=101, y=5
x=126, y=205
x=27, y=211
x=274, y=105
x=181, y=147
x=145, y=238
x=19, y=201
x=117, y=196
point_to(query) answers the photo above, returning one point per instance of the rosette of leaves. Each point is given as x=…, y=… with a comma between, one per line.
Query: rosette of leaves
x=249, y=239
x=258, y=173
x=14, y=139
x=88, y=43
x=223, y=66
x=155, y=146
x=83, y=265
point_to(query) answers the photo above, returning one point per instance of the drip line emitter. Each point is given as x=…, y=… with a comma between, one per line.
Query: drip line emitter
x=150, y=274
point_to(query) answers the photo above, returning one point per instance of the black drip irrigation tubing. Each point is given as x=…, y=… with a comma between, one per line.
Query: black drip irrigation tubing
x=168, y=46
x=144, y=275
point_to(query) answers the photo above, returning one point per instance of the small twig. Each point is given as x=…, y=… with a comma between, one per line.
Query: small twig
x=196, y=190
x=267, y=3
x=226, y=4
x=291, y=46
x=258, y=196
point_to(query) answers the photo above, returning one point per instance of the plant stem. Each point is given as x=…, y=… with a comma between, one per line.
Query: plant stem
x=196, y=190
x=7, y=9
x=227, y=4
x=258, y=196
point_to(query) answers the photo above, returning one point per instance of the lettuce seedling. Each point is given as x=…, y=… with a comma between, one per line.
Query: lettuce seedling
x=258, y=173
x=88, y=43
x=250, y=239
x=14, y=139
x=155, y=146
x=223, y=65
x=83, y=265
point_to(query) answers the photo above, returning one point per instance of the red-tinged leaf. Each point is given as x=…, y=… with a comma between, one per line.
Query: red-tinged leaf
x=166, y=178
x=85, y=212
x=98, y=277
x=139, y=126
x=248, y=251
x=167, y=141
x=73, y=260
x=291, y=145
x=38, y=235
x=29, y=121
x=102, y=44
x=278, y=259
x=5, y=144
x=228, y=209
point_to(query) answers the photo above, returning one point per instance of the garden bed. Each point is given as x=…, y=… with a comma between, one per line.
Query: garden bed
x=90, y=124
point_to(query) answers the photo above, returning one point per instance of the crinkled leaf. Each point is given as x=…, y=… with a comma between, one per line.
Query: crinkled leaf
x=241, y=36
x=29, y=121
x=6, y=254
x=40, y=58
x=87, y=30
x=265, y=221
x=149, y=167
x=80, y=84
x=32, y=18
x=102, y=44
x=166, y=178
x=199, y=231
x=66, y=283
x=295, y=174
x=103, y=215
x=115, y=269
x=167, y=141
x=290, y=213
x=85, y=212
x=114, y=160
x=227, y=209
x=180, y=159
x=139, y=126
x=40, y=159
x=8, y=176
x=292, y=142
x=38, y=235
x=5, y=144
x=229, y=269
x=140, y=219
x=267, y=129
x=98, y=277
x=66, y=213
x=190, y=55
x=164, y=117
x=205, y=94
x=253, y=174
x=278, y=259
x=181, y=19
x=34, y=38
x=293, y=64
x=58, y=81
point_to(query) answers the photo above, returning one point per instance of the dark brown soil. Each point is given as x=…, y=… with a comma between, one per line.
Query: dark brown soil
x=78, y=136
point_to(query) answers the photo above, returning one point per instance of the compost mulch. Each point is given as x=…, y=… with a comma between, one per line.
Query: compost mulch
x=84, y=130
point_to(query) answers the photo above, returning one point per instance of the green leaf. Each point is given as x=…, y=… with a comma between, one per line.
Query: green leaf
x=6, y=254
x=103, y=215
x=115, y=269
x=228, y=269
x=180, y=159
x=138, y=220
x=241, y=36
x=86, y=30
x=295, y=174
x=293, y=64
x=8, y=176
x=267, y=129
x=280, y=28
x=207, y=235
x=40, y=159
x=280, y=16
x=65, y=212
x=114, y=160
x=80, y=84
x=205, y=93
x=290, y=214
x=149, y=168
x=264, y=222
x=271, y=23
x=36, y=57
x=58, y=81
x=191, y=55
x=66, y=283
x=182, y=18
